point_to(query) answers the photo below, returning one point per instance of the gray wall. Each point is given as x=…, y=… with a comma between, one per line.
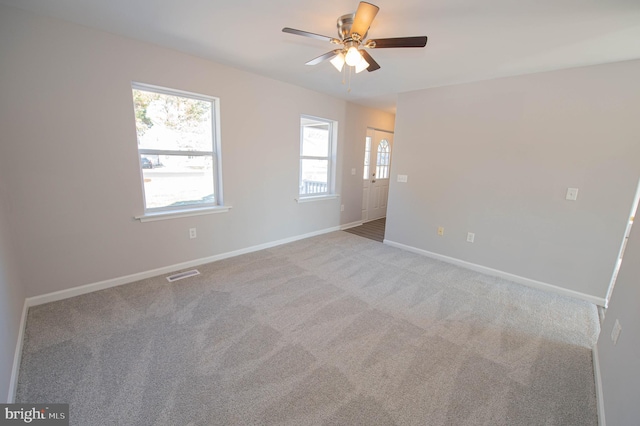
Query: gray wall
x=12, y=294
x=620, y=364
x=496, y=158
x=68, y=131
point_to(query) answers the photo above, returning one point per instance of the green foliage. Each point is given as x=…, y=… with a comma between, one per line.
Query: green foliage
x=141, y=101
x=173, y=112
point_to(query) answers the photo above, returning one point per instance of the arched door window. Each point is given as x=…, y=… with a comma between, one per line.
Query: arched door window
x=382, y=162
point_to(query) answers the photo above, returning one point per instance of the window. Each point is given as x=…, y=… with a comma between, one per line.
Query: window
x=382, y=162
x=178, y=148
x=316, y=156
x=367, y=158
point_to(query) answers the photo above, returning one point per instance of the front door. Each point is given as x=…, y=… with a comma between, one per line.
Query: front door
x=377, y=167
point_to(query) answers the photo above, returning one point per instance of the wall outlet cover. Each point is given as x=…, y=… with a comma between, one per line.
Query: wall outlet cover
x=572, y=194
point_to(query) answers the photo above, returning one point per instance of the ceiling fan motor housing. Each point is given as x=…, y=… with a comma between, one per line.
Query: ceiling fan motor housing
x=344, y=28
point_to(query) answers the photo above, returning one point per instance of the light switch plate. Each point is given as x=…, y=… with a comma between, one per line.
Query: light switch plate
x=403, y=178
x=572, y=194
x=353, y=172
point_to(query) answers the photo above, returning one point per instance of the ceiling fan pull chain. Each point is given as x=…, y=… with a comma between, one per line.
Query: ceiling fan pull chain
x=344, y=75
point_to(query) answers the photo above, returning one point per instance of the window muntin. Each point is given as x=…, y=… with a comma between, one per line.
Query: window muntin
x=382, y=161
x=178, y=147
x=316, y=156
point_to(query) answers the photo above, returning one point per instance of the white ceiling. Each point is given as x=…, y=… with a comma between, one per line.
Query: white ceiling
x=469, y=40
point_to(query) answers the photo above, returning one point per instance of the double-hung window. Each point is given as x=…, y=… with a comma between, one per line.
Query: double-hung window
x=178, y=149
x=317, y=148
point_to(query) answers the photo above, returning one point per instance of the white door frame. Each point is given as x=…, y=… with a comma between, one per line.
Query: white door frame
x=632, y=217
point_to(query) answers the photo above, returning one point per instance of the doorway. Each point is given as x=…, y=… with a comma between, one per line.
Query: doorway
x=634, y=210
x=376, y=172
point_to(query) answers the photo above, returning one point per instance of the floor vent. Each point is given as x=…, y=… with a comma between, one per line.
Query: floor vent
x=181, y=275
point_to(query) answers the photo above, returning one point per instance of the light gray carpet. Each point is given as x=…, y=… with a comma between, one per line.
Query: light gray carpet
x=331, y=330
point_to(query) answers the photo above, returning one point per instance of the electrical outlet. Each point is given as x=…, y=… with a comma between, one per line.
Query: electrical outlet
x=440, y=231
x=341, y=207
x=192, y=233
x=470, y=237
x=615, y=333
x=353, y=172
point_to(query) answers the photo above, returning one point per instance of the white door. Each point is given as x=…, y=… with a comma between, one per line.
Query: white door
x=375, y=178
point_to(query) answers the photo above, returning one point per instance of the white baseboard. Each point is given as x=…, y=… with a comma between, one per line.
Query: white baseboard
x=600, y=301
x=350, y=225
x=17, y=356
x=599, y=393
x=114, y=282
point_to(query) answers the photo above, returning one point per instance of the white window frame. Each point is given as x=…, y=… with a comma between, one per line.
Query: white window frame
x=168, y=212
x=331, y=160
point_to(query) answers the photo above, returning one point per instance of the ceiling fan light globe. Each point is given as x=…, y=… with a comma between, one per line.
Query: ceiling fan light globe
x=361, y=65
x=338, y=62
x=353, y=56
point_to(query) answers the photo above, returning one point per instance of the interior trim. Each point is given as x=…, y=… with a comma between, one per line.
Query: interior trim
x=598, y=380
x=114, y=282
x=351, y=225
x=600, y=301
x=17, y=356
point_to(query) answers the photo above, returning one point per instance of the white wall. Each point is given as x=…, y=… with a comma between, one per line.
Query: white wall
x=620, y=364
x=12, y=294
x=496, y=158
x=68, y=128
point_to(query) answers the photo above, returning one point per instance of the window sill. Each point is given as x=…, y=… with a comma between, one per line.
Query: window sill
x=150, y=217
x=316, y=198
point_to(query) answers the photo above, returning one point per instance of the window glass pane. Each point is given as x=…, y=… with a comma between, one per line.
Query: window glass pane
x=171, y=122
x=313, y=176
x=177, y=180
x=382, y=172
x=315, y=140
x=382, y=160
x=367, y=156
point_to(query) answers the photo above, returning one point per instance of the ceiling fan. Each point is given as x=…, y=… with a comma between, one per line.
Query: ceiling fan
x=352, y=31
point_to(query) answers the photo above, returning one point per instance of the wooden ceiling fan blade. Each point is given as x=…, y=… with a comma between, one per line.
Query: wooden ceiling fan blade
x=363, y=18
x=373, y=65
x=322, y=58
x=383, y=43
x=308, y=34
